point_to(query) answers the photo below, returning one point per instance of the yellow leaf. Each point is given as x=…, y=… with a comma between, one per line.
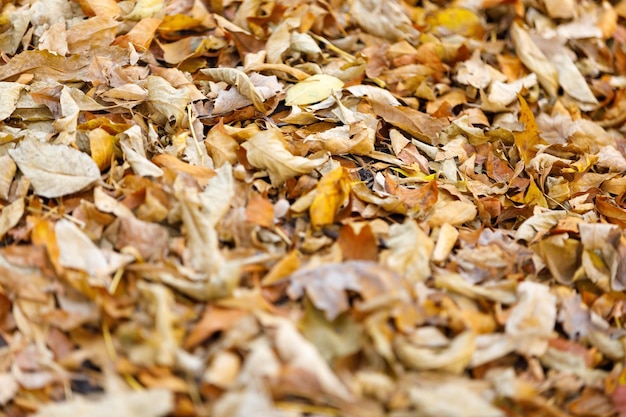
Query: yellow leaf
x=315, y=88
x=528, y=139
x=456, y=20
x=534, y=196
x=332, y=191
x=101, y=144
x=178, y=22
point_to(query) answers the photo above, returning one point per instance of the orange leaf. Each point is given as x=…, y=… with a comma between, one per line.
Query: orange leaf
x=361, y=245
x=260, y=211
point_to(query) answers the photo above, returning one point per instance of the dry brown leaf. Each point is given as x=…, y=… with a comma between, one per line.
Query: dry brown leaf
x=418, y=124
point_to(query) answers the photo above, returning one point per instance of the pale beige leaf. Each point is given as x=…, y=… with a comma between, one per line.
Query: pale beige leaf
x=532, y=319
x=560, y=9
x=373, y=92
x=570, y=78
x=298, y=352
x=534, y=59
x=218, y=193
x=170, y=102
x=503, y=293
x=410, y=250
x=265, y=150
x=145, y=403
x=19, y=21
x=145, y=8
x=77, y=251
x=241, y=82
x=539, y=223
x=8, y=388
x=132, y=144
x=54, y=170
x=254, y=89
x=10, y=95
x=452, y=358
x=66, y=125
x=162, y=301
x=383, y=18
x=55, y=39
x=7, y=173
x=446, y=240
x=474, y=72
x=450, y=399
x=108, y=204
x=11, y=216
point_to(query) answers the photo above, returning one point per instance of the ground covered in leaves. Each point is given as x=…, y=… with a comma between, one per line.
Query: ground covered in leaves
x=312, y=208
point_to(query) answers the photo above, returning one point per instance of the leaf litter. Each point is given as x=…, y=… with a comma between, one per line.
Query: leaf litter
x=299, y=208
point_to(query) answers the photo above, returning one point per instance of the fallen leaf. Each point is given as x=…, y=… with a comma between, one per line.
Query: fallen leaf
x=265, y=150
x=312, y=90
x=331, y=193
x=54, y=170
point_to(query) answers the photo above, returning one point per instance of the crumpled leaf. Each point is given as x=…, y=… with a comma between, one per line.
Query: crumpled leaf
x=132, y=144
x=265, y=150
x=434, y=399
x=326, y=285
x=386, y=19
x=168, y=101
x=452, y=358
x=54, y=170
x=532, y=319
x=410, y=250
x=255, y=89
x=373, y=92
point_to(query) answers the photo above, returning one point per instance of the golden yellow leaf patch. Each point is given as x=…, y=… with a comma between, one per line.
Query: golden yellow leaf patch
x=332, y=191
